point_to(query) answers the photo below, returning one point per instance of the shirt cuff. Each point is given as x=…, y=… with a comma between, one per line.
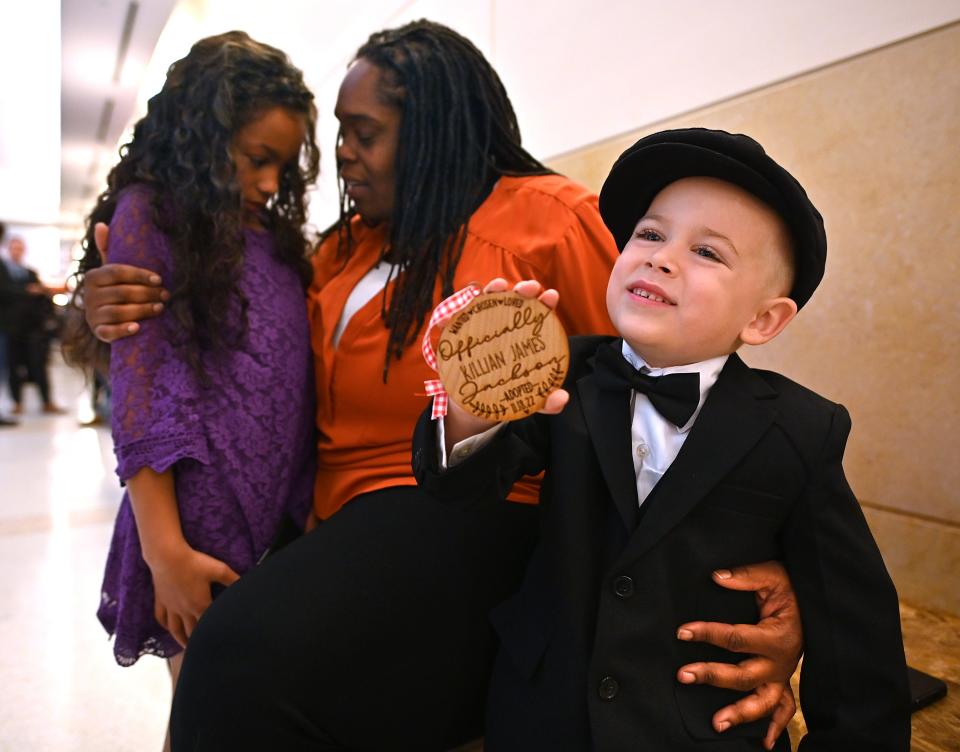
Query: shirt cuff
x=462, y=449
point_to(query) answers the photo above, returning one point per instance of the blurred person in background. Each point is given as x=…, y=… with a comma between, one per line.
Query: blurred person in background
x=29, y=333
x=6, y=323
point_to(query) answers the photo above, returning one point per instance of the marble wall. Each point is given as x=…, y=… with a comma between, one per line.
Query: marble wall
x=875, y=139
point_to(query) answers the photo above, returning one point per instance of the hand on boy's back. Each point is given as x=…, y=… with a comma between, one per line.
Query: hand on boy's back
x=117, y=296
x=774, y=646
x=459, y=424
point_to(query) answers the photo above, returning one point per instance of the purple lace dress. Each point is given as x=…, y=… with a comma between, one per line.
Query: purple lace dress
x=241, y=445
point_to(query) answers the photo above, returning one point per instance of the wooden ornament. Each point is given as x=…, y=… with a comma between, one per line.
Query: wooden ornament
x=501, y=356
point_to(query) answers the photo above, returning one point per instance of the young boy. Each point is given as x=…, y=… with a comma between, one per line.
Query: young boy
x=719, y=247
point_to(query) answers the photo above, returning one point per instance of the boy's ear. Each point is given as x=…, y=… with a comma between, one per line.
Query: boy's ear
x=770, y=320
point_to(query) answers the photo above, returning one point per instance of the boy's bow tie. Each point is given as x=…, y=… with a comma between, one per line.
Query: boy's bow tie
x=675, y=396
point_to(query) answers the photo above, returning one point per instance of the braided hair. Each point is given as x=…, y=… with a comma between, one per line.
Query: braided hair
x=458, y=135
x=181, y=149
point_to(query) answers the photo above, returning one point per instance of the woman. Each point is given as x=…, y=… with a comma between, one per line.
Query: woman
x=371, y=631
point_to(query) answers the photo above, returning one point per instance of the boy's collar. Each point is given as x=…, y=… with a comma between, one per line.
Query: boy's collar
x=709, y=371
x=703, y=367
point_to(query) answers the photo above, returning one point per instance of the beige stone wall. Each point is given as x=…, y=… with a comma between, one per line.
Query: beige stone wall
x=876, y=142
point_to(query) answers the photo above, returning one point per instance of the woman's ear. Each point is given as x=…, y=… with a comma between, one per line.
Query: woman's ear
x=770, y=320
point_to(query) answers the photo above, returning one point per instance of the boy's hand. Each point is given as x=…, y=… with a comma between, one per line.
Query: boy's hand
x=776, y=642
x=181, y=583
x=117, y=296
x=530, y=288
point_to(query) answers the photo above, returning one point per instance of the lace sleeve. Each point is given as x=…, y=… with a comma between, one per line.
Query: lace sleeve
x=156, y=420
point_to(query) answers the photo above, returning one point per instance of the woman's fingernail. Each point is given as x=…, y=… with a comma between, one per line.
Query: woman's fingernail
x=723, y=726
x=684, y=634
x=723, y=574
x=157, y=307
x=132, y=328
x=687, y=678
x=155, y=279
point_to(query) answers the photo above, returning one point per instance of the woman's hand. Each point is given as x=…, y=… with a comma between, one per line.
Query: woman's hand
x=181, y=581
x=775, y=642
x=117, y=296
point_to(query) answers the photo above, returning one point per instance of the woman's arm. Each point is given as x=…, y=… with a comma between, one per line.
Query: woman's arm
x=117, y=297
x=774, y=646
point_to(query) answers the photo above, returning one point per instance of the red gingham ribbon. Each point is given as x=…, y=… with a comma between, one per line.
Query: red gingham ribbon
x=434, y=387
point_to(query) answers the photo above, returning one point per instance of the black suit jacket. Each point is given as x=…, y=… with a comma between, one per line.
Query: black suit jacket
x=588, y=654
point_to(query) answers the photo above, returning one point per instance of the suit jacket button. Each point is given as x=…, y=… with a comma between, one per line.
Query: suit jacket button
x=608, y=689
x=623, y=587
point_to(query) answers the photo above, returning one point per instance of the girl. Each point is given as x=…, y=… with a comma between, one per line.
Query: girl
x=213, y=401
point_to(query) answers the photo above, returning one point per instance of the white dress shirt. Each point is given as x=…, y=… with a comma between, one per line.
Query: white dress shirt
x=654, y=441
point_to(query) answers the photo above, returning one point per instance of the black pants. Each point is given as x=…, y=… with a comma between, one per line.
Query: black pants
x=370, y=633
x=28, y=362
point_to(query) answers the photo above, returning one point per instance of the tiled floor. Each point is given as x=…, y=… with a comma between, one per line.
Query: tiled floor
x=60, y=689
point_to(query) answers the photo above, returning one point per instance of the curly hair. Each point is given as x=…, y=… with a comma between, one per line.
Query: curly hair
x=181, y=149
x=458, y=135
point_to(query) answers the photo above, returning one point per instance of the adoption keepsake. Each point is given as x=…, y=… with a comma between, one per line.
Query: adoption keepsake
x=502, y=355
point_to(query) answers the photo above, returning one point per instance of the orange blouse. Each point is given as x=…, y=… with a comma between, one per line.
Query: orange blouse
x=541, y=227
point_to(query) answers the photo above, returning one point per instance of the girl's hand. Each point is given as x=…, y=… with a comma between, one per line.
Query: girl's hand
x=117, y=296
x=181, y=583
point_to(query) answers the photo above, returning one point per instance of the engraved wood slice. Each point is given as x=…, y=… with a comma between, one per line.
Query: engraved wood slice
x=500, y=356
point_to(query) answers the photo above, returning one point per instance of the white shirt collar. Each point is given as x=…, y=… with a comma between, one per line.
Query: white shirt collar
x=709, y=370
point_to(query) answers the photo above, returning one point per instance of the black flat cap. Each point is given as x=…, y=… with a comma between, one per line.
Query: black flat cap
x=655, y=161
